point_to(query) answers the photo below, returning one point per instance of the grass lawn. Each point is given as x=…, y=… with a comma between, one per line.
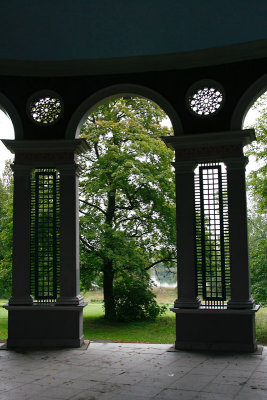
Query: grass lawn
x=160, y=331
x=261, y=326
x=95, y=327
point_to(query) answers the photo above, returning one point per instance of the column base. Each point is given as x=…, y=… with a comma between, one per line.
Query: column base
x=20, y=301
x=195, y=303
x=45, y=326
x=44, y=343
x=241, y=305
x=70, y=301
x=216, y=330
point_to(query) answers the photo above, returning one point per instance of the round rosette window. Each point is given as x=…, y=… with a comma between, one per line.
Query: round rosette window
x=45, y=108
x=205, y=98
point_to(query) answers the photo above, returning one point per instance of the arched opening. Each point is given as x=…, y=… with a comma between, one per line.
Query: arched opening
x=256, y=118
x=246, y=101
x=127, y=206
x=251, y=112
x=113, y=92
x=6, y=132
x=6, y=216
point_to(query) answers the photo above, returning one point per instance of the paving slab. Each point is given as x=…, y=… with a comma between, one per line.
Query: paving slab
x=131, y=371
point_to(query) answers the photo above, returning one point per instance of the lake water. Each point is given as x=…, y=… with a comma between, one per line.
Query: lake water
x=168, y=281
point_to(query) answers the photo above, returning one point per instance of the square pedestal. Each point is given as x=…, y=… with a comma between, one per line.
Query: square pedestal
x=45, y=326
x=219, y=330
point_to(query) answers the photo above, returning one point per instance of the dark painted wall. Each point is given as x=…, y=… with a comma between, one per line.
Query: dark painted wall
x=173, y=85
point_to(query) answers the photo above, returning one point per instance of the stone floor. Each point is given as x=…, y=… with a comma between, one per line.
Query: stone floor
x=126, y=371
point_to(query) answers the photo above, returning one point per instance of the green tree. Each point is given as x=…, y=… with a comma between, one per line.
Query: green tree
x=257, y=180
x=6, y=226
x=257, y=223
x=258, y=256
x=127, y=191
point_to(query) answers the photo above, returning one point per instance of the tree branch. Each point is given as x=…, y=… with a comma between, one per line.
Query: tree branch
x=96, y=150
x=134, y=218
x=93, y=205
x=160, y=261
x=87, y=245
x=82, y=212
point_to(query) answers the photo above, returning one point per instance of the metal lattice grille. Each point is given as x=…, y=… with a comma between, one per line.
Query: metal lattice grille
x=212, y=234
x=45, y=263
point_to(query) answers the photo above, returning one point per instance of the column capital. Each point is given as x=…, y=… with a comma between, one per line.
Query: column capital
x=195, y=143
x=236, y=162
x=75, y=146
x=21, y=169
x=69, y=169
x=184, y=167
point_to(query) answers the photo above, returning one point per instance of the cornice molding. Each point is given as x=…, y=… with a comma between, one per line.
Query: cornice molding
x=121, y=65
x=76, y=146
x=211, y=139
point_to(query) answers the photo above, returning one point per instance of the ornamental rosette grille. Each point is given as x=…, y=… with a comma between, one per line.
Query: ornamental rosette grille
x=45, y=108
x=205, y=98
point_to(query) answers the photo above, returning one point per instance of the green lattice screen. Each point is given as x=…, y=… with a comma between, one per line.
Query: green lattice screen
x=45, y=261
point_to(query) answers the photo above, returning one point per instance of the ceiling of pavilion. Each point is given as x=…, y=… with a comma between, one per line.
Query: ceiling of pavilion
x=67, y=30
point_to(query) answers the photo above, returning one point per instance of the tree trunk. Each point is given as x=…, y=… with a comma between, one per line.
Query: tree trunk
x=110, y=313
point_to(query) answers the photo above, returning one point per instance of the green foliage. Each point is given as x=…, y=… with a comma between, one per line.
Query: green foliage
x=257, y=180
x=127, y=193
x=258, y=257
x=6, y=227
x=257, y=185
x=134, y=300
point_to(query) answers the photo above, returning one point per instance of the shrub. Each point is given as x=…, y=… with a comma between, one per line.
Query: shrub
x=134, y=300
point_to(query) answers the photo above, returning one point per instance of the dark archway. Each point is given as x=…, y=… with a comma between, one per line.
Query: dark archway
x=116, y=91
x=126, y=131
x=9, y=109
x=246, y=101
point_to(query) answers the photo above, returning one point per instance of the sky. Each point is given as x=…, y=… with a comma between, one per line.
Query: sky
x=7, y=132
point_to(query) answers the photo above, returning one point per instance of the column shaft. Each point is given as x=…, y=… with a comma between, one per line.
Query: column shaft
x=21, y=236
x=240, y=279
x=185, y=222
x=69, y=237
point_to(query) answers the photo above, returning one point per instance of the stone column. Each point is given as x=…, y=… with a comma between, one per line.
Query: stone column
x=21, y=236
x=185, y=222
x=237, y=209
x=69, y=236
